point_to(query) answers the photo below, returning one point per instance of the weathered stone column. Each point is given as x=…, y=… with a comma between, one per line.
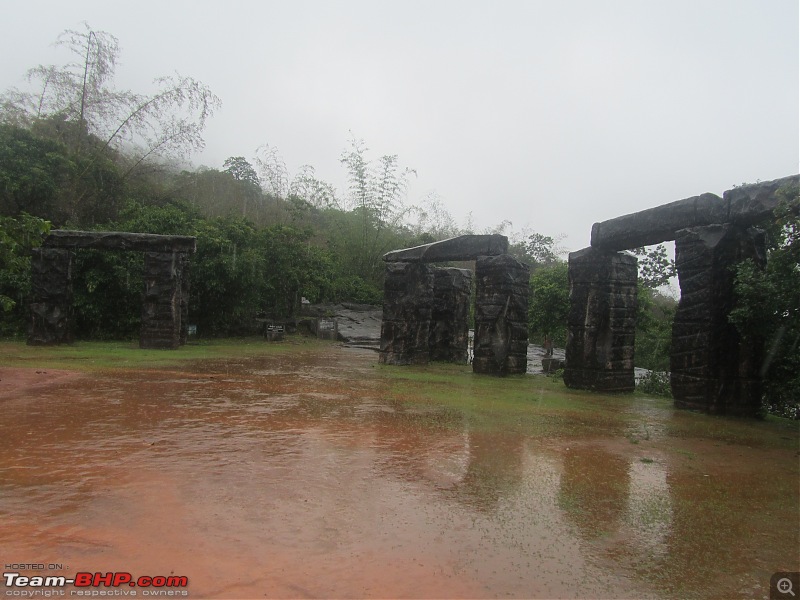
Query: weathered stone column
x=161, y=302
x=185, y=263
x=407, y=310
x=51, y=297
x=711, y=369
x=449, y=333
x=501, y=315
x=602, y=321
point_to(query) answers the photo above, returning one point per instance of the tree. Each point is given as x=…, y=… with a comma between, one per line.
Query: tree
x=533, y=248
x=768, y=306
x=376, y=195
x=549, y=304
x=434, y=221
x=17, y=237
x=33, y=173
x=139, y=127
x=654, y=316
x=274, y=175
x=655, y=269
x=309, y=188
x=243, y=172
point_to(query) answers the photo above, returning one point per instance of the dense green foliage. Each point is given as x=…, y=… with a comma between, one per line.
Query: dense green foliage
x=768, y=306
x=655, y=269
x=549, y=303
x=18, y=236
x=655, y=313
x=76, y=152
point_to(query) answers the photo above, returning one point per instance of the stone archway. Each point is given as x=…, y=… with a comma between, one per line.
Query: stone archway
x=166, y=284
x=710, y=369
x=426, y=309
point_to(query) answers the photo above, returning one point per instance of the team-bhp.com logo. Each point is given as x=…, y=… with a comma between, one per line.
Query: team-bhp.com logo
x=89, y=584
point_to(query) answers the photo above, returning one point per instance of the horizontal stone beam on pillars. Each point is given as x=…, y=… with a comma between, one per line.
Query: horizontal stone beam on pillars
x=659, y=224
x=744, y=205
x=120, y=240
x=464, y=247
x=751, y=204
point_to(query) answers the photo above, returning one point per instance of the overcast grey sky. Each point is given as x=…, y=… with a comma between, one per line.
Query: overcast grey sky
x=549, y=114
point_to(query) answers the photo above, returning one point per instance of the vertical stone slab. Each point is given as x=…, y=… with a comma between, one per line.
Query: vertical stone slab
x=449, y=330
x=161, y=302
x=51, y=297
x=601, y=324
x=185, y=263
x=407, y=311
x=711, y=370
x=502, y=288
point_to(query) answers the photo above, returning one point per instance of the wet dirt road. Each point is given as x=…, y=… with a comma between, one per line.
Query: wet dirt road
x=307, y=475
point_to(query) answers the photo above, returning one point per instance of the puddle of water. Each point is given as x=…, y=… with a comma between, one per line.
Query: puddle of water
x=307, y=476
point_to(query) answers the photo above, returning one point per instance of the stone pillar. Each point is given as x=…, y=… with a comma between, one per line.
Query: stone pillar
x=185, y=263
x=711, y=370
x=449, y=333
x=601, y=324
x=51, y=297
x=161, y=302
x=501, y=315
x=407, y=310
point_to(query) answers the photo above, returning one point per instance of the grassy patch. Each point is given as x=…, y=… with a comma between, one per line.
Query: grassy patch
x=518, y=403
x=772, y=432
x=87, y=356
x=539, y=405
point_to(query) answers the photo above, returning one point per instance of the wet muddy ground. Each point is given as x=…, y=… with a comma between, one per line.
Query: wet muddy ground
x=318, y=473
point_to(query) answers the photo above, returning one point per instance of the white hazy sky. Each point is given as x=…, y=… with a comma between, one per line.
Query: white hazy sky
x=550, y=114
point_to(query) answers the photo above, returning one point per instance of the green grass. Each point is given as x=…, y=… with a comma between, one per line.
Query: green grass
x=91, y=355
x=543, y=405
x=518, y=403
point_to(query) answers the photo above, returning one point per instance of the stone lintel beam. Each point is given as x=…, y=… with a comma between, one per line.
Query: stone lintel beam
x=745, y=205
x=659, y=224
x=463, y=247
x=119, y=240
x=749, y=204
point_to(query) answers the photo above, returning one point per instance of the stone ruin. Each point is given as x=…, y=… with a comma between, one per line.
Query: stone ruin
x=165, y=298
x=710, y=369
x=426, y=308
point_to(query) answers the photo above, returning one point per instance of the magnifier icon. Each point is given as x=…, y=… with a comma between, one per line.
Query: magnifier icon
x=785, y=586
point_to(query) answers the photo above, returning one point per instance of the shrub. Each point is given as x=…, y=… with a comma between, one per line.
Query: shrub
x=655, y=383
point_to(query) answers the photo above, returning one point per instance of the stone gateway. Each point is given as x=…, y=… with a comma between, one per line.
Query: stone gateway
x=710, y=369
x=165, y=298
x=426, y=308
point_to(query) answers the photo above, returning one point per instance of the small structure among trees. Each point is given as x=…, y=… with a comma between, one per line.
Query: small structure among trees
x=165, y=298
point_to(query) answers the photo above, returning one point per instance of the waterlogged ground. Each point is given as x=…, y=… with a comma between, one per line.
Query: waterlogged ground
x=311, y=471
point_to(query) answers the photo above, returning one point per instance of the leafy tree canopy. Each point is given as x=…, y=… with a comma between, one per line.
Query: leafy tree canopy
x=167, y=122
x=768, y=306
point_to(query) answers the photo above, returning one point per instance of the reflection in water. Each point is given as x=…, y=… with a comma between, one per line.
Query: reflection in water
x=649, y=509
x=594, y=489
x=306, y=475
x=620, y=504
